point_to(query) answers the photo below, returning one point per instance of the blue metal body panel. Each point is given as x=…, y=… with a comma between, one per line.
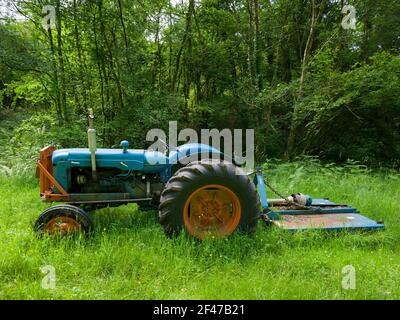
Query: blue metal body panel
x=146, y=161
x=193, y=150
x=112, y=158
x=320, y=202
x=139, y=160
x=259, y=181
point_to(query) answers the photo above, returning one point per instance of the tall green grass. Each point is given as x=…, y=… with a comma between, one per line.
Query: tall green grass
x=130, y=258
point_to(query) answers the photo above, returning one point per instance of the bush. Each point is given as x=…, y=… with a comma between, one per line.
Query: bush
x=22, y=137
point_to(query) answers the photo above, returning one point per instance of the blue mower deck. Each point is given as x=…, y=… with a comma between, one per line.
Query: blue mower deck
x=323, y=214
x=332, y=217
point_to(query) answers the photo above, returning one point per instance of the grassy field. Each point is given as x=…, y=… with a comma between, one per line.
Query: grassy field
x=130, y=258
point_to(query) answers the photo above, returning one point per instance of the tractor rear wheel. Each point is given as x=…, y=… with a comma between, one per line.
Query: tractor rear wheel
x=63, y=220
x=209, y=199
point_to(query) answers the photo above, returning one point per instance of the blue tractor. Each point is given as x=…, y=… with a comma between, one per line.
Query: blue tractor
x=193, y=189
x=205, y=197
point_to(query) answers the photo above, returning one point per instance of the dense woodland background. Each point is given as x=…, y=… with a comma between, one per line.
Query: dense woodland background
x=286, y=68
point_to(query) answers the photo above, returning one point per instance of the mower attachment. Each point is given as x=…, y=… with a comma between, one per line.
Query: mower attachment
x=327, y=219
x=322, y=214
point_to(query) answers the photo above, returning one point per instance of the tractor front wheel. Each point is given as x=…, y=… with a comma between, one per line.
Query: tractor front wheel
x=209, y=199
x=63, y=220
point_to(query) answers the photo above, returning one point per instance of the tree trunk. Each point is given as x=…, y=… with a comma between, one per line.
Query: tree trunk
x=56, y=81
x=82, y=64
x=121, y=18
x=256, y=41
x=307, y=50
x=63, y=94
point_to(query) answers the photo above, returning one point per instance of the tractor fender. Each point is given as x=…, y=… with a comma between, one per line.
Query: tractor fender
x=195, y=152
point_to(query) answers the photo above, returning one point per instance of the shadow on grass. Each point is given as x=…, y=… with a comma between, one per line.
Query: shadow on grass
x=145, y=227
x=123, y=217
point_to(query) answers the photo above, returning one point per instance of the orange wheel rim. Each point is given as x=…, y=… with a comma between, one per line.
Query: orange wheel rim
x=62, y=225
x=212, y=211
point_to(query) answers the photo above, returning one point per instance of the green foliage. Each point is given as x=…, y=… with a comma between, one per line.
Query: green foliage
x=22, y=137
x=354, y=114
x=214, y=63
x=340, y=115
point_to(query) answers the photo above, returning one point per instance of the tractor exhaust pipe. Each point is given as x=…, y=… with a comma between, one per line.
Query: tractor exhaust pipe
x=92, y=143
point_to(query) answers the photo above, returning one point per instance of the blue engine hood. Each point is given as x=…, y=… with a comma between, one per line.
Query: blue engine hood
x=146, y=161
x=138, y=160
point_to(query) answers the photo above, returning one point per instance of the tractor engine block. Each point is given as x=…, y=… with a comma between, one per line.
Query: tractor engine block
x=109, y=180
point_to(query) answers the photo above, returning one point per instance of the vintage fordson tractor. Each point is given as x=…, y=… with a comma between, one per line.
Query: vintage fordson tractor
x=191, y=186
x=207, y=197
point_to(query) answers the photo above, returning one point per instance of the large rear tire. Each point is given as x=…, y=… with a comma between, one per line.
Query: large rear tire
x=209, y=199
